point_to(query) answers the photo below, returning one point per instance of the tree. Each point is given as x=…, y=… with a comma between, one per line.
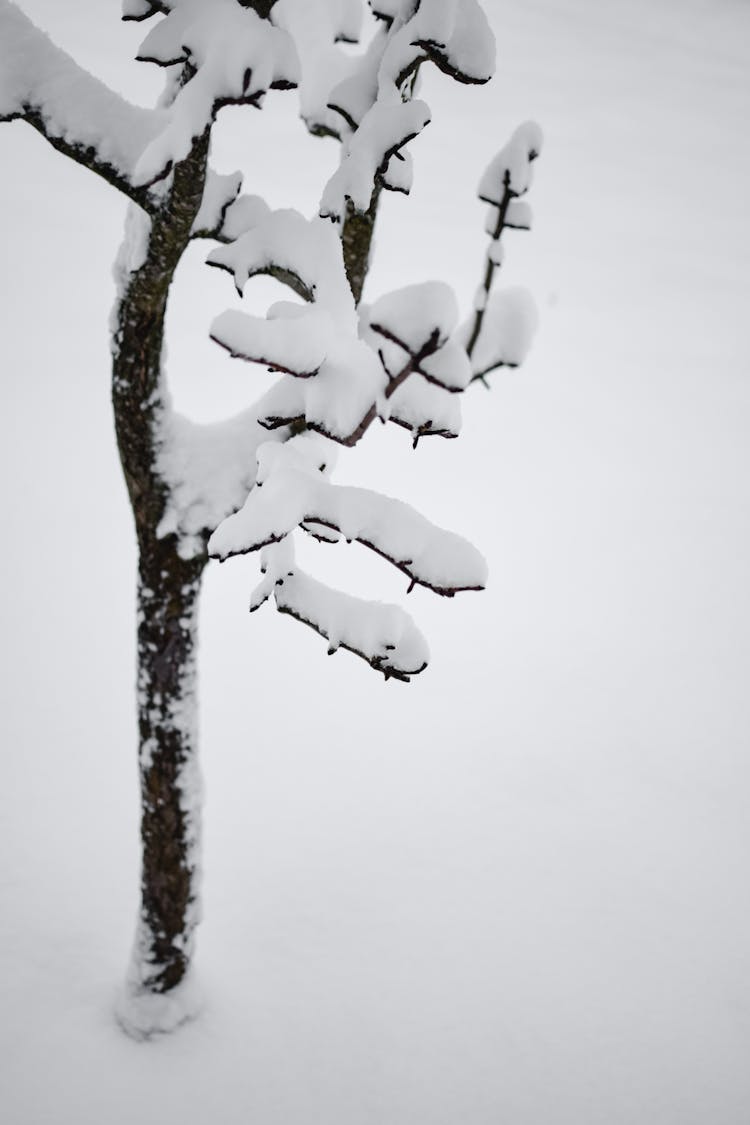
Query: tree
x=246, y=485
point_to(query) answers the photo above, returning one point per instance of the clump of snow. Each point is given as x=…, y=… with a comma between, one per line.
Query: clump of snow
x=315, y=27
x=138, y=9
x=386, y=128
x=210, y=468
x=296, y=342
x=133, y=249
x=236, y=56
x=508, y=327
x=320, y=341
x=219, y=193
x=510, y=170
x=351, y=98
x=425, y=409
x=292, y=492
x=380, y=633
x=415, y=324
x=376, y=104
x=385, y=634
x=285, y=241
x=454, y=34
x=416, y=312
x=245, y=212
x=518, y=214
x=448, y=367
x=143, y=1014
x=37, y=77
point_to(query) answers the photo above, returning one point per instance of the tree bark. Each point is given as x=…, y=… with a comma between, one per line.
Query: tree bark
x=356, y=240
x=168, y=592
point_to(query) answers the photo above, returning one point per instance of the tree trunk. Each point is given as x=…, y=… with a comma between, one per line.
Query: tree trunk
x=168, y=591
x=158, y=992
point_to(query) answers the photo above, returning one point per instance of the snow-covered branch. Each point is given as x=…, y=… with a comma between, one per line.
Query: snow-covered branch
x=79, y=115
x=383, y=635
x=291, y=490
x=209, y=468
x=220, y=193
x=375, y=103
x=234, y=57
x=348, y=381
x=503, y=324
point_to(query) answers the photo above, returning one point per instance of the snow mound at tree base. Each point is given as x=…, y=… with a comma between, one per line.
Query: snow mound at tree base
x=143, y=1014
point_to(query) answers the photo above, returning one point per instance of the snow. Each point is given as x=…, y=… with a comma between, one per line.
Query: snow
x=237, y=57
x=454, y=33
x=354, y=95
x=210, y=467
x=292, y=491
x=511, y=168
x=386, y=127
x=449, y=367
x=245, y=212
x=414, y=313
x=383, y=635
x=220, y=193
x=508, y=327
x=298, y=344
x=496, y=252
x=73, y=105
x=318, y=343
x=456, y=36
x=309, y=249
x=514, y=889
x=146, y=1014
x=518, y=215
x=315, y=26
x=137, y=9
x=424, y=408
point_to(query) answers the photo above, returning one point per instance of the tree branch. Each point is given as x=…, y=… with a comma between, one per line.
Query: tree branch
x=489, y=272
x=79, y=115
x=356, y=239
x=87, y=156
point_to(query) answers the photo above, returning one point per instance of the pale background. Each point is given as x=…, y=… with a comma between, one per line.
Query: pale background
x=516, y=890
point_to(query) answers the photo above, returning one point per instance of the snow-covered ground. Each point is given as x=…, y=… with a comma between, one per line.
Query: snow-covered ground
x=515, y=890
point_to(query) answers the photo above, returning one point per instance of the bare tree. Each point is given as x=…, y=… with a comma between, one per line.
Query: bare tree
x=247, y=484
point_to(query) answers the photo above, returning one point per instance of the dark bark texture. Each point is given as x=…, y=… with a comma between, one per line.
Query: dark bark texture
x=356, y=240
x=168, y=589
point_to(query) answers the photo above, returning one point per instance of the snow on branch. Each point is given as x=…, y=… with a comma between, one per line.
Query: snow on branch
x=349, y=373
x=316, y=27
x=317, y=342
x=233, y=57
x=385, y=129
x=508, y=328
x=418, y=320
x=209, y=468
x=381, y=634
x=79, y=115
x=454, y=34
x=502, y=327
x=140, y=9
x=374, y=100
x=219, y=194
x=284, y=242
x=509, y=173
x=291, y=490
